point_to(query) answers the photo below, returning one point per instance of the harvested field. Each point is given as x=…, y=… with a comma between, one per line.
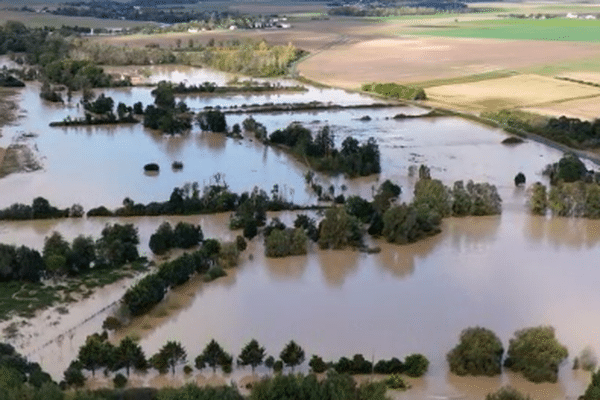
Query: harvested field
x=511, y=92
x=40, y=20
x=588, y=109
x=406, y=60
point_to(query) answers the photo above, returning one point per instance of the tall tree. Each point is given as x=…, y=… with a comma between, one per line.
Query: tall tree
x=97, y=352
x=213, y=355
x=252, y=354
x=129, y=354
x=292, y=355
x=173, y=354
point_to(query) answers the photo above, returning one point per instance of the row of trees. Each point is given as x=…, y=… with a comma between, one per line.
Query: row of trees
x=534, y=352
x=116, y=246
x=40, y=208
x=414, y=365
x=577, y=199
x=98, y=353
x=210, y=259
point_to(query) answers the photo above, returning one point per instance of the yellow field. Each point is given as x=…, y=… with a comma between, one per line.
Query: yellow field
x=588, y=109
x=512, y=92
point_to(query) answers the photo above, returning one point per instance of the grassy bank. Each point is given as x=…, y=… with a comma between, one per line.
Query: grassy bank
x=25, y=299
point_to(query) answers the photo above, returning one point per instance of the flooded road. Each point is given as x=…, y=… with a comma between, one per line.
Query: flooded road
x=505, y=273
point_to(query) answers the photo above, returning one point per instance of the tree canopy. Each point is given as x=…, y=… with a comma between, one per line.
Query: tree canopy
x=479, y=352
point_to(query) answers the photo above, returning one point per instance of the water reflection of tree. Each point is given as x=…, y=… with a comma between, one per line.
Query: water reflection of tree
x=337, y=265
x=286, y=268
x=400, y=259
x=212, y=141
x=574, y=233
x=472, y=387
x=468, y=232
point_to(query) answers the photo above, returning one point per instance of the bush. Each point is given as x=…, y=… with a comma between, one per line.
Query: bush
x=339, y=230
x=111, y=323
x=396, y=91
x=286, y=242
x=187, y=370
x=479, y=352
x=520, y=179
x=536, y=353
x=416, y=365
x=120, y=381
x=395, y=381
x=392, y=366
x=215, y=273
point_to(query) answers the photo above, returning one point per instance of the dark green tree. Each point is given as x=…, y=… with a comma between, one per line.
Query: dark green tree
x=535, y=353
x=96, y=353
x=506, y=393
x=213, y=355
x=317, y=365
x=252, y=354
x=129, y=354
x=416, y=365
x=292, y=355
x=479, y=352
x=173, y=354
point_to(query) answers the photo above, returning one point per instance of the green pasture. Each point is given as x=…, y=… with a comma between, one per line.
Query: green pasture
x=557, y=29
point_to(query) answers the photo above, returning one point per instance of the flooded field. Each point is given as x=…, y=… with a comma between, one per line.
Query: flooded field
x=504, y=273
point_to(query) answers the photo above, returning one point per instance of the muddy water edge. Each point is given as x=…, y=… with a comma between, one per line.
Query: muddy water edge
x=504, y=273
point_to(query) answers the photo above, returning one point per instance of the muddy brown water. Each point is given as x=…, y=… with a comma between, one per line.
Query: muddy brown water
x=504, y=273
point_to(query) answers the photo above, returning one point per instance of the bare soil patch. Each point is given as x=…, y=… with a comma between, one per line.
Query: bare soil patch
x=412, y=59
x=511, y=92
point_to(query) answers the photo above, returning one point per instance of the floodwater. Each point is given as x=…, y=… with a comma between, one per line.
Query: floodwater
x=505, y=273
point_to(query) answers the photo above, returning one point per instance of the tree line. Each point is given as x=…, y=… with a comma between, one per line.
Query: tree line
x=116, y=246
x=211, y=259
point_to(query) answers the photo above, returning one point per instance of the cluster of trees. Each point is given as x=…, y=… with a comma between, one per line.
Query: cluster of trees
x=210, y=259
x=116, y=247
x=353, y=159
x=167, y=115
x=569, y=169
x=414, y=365
x=339, y=230
x=534, y=352
x=100, y=111
x=577, y=199
x=212, y=121
x=80, y=74
x=281, y=241
x=21, y=379
x=40, y=208
x=184, y=236
x=396, y=91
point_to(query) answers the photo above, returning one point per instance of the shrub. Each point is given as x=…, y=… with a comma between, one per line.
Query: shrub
x=215, y=273
x=479, y=352
x=187, y=370
x=536, y=353
x=151, y=167
x=395, y=381
x=120, y=381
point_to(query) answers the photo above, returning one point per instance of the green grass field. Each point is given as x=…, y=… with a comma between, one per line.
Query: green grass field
x=558, y=29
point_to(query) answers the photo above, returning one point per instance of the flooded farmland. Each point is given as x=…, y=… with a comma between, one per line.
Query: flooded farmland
x=504, y=273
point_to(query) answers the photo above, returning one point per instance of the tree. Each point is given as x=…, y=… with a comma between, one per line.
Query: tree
x=163, y=239
x=213, y=355
x=339, y=229
x=252, y=354
x=129, y=354
x=535, y=353
x=56, y=250
x=416, y=365
x=479, y=352
x=270, y=362
x=73, y=376
x=97, y=352
x=292, y=355
x=117, y=245
x=212, y=121
x=317, y=365
x=520, y=179
x=83, y=253
x=173, y=354
x=538, y=200
x=187, y=235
